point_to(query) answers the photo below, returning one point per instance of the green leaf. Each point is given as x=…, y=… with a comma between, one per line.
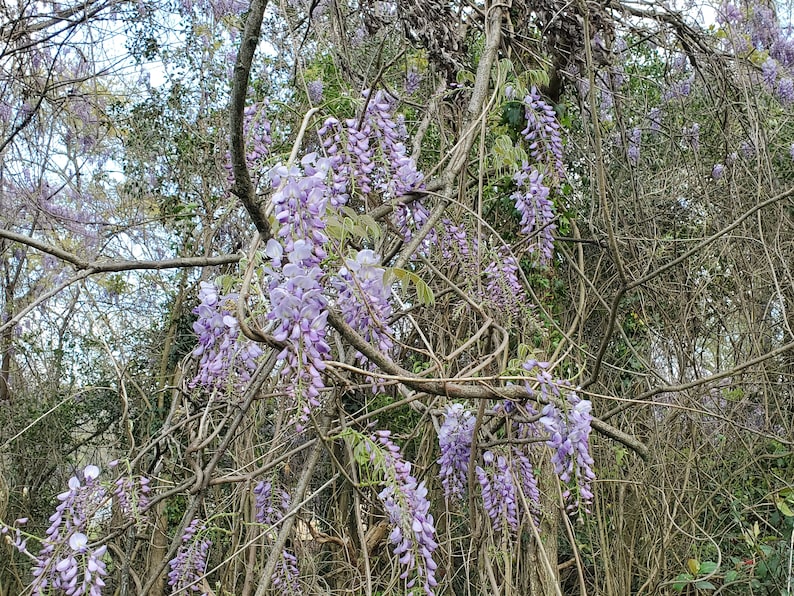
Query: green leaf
x=783, y=507
x=681, y=581
x=423, y=292
x=360, y=454
x=731, y=576
x=705, y=585
x=707, y=567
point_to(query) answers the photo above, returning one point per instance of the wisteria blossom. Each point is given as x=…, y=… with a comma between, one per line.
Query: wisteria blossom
x=537, y=211
x=286, y=574
x=691, y=136
x=503, y=288
x=363, y=298
x=498, y=488
x=272, y=504
x=633, y=152
x=225, y=354
x=543, y=133
x=412, y=81
x=404, y=498
x=570, y=433
x=256, y=131
x=455, y=439
x=66, y=561
x=368, y=154
x=298, y=304
x=315, y=90
x=189, y=565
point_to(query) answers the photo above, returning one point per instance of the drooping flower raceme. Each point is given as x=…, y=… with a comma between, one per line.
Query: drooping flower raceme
x=570, y=442
x=315, y=90
x=132, y=496
x=524, y=472
x=547, y=386
x=375, y=158
x=189, y=565
x=413, y=533
x=271, y=506
x=256, y=131
x=503, y=288
x=299, y=308
x=226, y=355
x=691, y=136
x=286, y=574
x=403, y=176
x=369, y=151
x=543, y=133
x=66, y=563
x=633, y=152
x=498, y=488
x=412, y=81
x=655, y=120
x=537, y=212
x=363, y=299
x=455, y=439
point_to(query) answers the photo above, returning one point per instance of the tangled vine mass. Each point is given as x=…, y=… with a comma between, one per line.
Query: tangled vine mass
x=396, y=297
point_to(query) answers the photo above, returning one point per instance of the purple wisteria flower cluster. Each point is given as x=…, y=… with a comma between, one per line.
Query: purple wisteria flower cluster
x=271, y=504
x=132, y=497
x=679, y=89
x=15, y=537
x=375, y=159
x=570, y=442
x=365, y=155
x=502, y=477
x=189, y=566
x=758, y=29
x=455, y=243
x=285, y=575
x=502, y=288
x=219, y=9
x=66, y=562
x=543, y=133
x=633, y=151
x=299, y=308
x=413, y=533
x=363, y=298
x=569, y=430
x=537, y=211
x=454, y=439
x=412, y=81
x=499, y=495
x=691, y=136
x=226, y=355
x=315, y=91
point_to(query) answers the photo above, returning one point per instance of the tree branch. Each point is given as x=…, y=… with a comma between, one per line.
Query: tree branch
x=243, y=187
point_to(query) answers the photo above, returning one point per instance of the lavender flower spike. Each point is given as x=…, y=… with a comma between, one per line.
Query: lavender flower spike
x=455, y=439
x=189, y=565
x=405, y=501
